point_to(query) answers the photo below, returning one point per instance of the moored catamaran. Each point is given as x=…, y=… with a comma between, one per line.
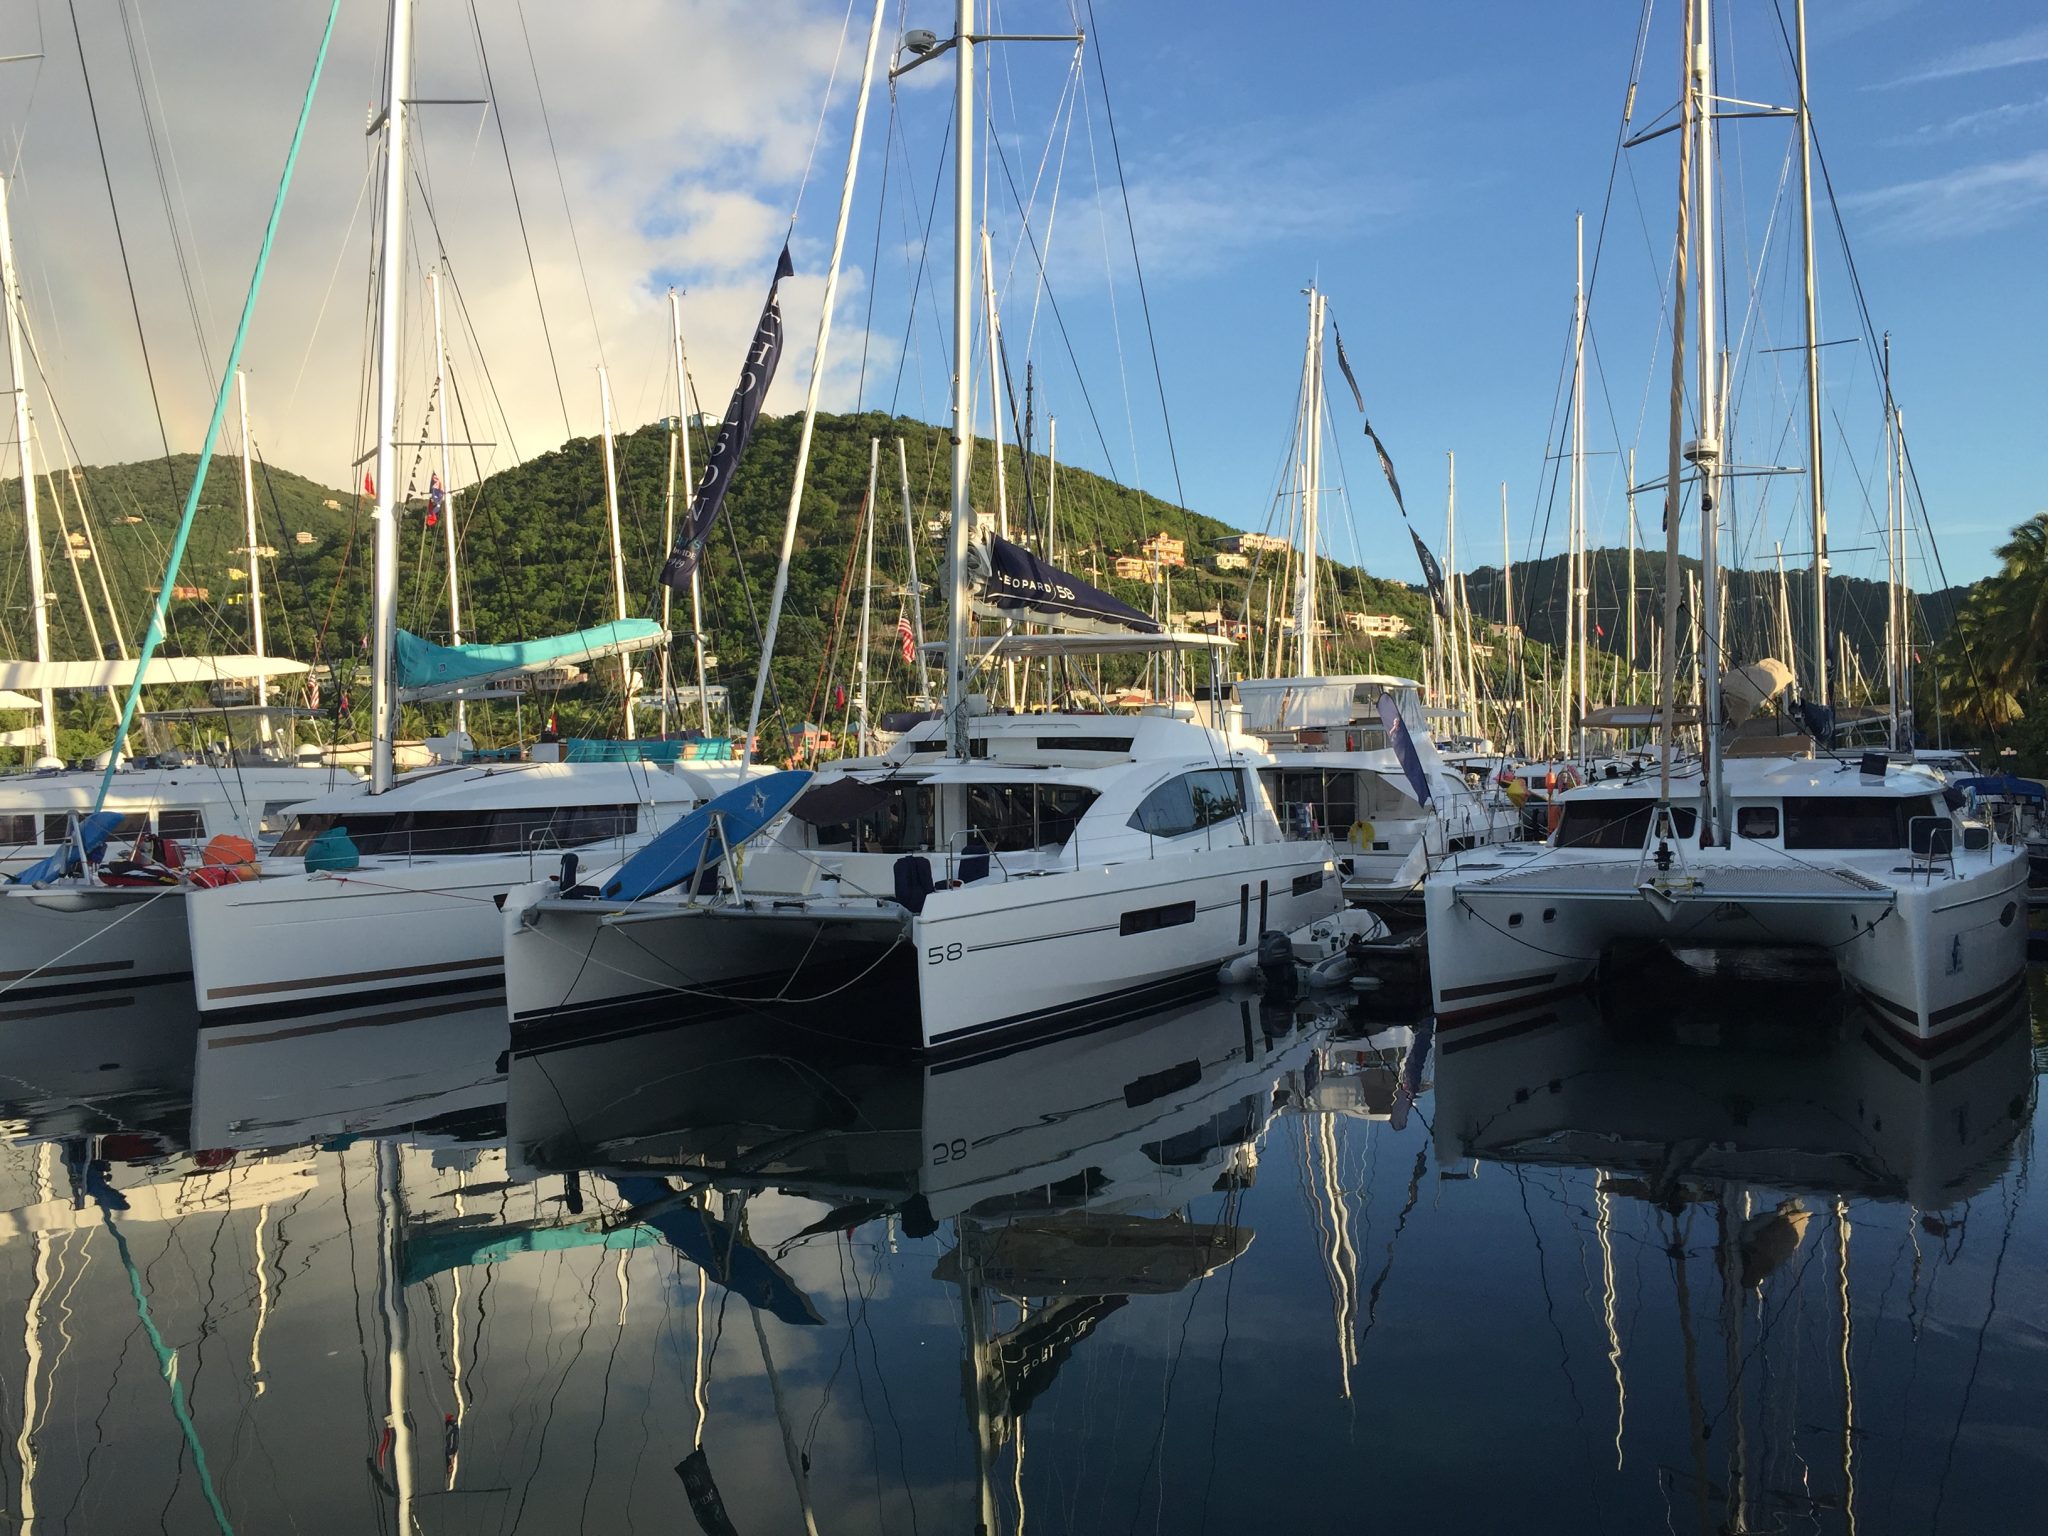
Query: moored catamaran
x=1771, y=839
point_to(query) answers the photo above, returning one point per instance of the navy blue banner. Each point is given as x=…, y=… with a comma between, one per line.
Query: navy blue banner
x=763, y=353
x=1019, y=579
x=1404, y=748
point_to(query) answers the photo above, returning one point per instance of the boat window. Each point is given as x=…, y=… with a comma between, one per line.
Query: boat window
x=1011, y=818
x=903, y=823
x=1756, y=821
x=1851, y=821
x=18, y=830
x=57, y=824
x=1118, y=744
x=1190, y=802
x=186, y=826
x=1314, y=801
x=274, y=818
x=1605, y=823
x=517, y=829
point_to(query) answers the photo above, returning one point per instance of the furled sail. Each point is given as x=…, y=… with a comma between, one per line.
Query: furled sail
x=426, y=670
x=95, y=675
x=1013, y=583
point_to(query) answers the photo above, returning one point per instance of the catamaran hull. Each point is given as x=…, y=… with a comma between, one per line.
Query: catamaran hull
x=1936, y=958
x=985, y=962
x=69, y=940
x=290, y=945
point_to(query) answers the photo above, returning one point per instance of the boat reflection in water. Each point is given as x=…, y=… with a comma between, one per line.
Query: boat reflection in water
x=1724, y=1151
x=1057, y=1179
x=732, y=1276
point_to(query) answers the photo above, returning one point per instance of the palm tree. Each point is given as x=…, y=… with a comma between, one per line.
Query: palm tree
x=2015, y=636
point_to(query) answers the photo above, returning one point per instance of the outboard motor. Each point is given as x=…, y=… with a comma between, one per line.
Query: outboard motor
x=1276, y=960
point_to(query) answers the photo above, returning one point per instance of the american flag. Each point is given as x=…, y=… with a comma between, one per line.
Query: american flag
x=435, y=498
x=907, y=636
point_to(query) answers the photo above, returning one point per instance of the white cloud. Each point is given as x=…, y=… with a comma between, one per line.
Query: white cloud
x=2027, y=47
x=1980, y=123
x=682, y=130
x=1971, y=201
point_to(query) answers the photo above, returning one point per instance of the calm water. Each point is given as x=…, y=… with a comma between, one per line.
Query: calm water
x=1238, y=1267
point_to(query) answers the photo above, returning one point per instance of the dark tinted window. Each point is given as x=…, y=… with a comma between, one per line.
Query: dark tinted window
x=1191, y=802
x=1605, y=823
x=56, y=825
x=1851, y=821
x=18, y=830
x=185, y=826
x=1317, y=800
x=900, y=824
x=1756, y=821
x=1013, y=817
x=520, y=829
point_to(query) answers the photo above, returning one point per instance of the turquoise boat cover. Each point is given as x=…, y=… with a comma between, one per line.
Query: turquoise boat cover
x=422, y=664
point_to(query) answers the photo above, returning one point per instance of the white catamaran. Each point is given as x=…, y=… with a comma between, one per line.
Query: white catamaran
x=389, y=889
x=1770, y=841
x=1011, y=873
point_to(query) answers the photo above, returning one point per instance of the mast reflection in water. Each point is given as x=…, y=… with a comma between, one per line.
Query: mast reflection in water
x=1241, y=1266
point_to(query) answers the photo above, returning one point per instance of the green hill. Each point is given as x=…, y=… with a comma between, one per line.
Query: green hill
x=536, y=561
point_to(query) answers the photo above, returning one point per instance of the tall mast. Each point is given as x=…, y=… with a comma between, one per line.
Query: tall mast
x=611, y=507
x=1454, y=659
x=384, y=520
x=995, y=429
x=1580, y=581
x=677, y=433
x=1707, y=451
x=679, y=462
x=867, y=591
x=1674, y=494
x=924, y=682
x=38, y=596
x=1904, y=740
x=1891, y=560
x=249, y=526
x=1507, y=604
x=963, y=353
x=1631, y=575
x=1815, y=481
x=447, y=486
x=1311, y=483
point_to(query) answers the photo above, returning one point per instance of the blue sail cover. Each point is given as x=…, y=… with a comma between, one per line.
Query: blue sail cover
x=422, y=664
x=1020, y=582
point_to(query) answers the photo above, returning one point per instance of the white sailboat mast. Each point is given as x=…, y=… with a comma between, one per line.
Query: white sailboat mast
x=611, y=507
x=1580, y=579
x=867, y=591
x=963, y=353
x=1708, y=451
x=447, y=486
x=1311, y=486
x=384, y=519
x=32, y=525
x=1816, y=483
x=249, y=527
x=682, y=481
x=924, y=682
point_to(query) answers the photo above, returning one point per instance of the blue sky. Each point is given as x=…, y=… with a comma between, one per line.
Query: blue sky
x=1423, y=162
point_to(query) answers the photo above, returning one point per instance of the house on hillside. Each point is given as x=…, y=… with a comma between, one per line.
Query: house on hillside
x=1132, y=568
x=1165, y=550
x=1251, y=544
x=302, y=537
x=1228, y=560
x=1377, y=626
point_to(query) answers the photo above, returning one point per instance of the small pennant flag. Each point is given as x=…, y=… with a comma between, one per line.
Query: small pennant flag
x=905, y=634
x=369, y=485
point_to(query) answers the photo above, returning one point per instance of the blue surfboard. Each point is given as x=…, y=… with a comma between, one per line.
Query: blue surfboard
x=677, y=853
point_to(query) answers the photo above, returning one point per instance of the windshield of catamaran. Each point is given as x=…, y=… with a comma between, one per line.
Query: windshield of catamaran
x=1607, y=823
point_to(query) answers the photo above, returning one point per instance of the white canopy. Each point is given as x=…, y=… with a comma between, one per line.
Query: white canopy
x=162, y=669
x=9, y=699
